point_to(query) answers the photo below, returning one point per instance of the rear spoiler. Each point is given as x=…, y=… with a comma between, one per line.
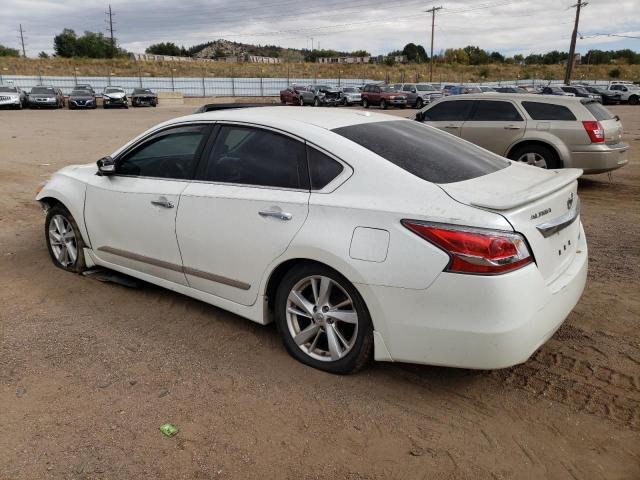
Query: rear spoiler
x=213, y=107
x=530, y=194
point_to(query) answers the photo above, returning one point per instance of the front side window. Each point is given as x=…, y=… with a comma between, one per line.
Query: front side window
x=547, y=111
x=423, y=151
x=251, y=156
x=453, y=110
x=495, y=111
x=172, y=153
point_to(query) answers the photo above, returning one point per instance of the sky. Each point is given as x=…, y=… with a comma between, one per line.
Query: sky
x=378, y=26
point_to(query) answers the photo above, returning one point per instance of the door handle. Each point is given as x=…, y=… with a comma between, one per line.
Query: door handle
x=276, y=214
x=162, y=202
x=451, y=126
x=511, y=127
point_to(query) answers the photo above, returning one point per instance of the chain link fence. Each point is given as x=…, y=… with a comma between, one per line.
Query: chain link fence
x=224, y=87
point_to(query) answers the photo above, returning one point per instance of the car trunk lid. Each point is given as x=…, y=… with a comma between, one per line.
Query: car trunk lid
x=542, y=205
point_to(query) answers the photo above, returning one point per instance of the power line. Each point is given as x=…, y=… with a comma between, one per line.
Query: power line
x=572, y=47
x=433, y=11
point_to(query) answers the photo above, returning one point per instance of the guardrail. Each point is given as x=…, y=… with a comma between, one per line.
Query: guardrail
x=222, y=87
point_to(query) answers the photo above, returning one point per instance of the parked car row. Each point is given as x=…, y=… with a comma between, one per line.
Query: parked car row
x=83, y=96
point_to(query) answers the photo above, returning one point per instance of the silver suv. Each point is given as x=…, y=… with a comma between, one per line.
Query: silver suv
x=419, y=94
x=545, y=131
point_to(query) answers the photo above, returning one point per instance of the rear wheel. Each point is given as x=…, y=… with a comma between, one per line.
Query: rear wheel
x=383, y=104
x=323, y=320
x=419, y=103
x=536, y=155
x=64, y=240
x=301, y=101
x=634, y=100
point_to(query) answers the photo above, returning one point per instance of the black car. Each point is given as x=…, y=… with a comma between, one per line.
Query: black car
x=45, y=97
x=143, y=96
x=580, y=91
x=608, y=97
x=81, y=99
x=84, y=86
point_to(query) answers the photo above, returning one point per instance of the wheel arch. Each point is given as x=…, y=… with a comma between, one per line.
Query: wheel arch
x=72, y=199
x=562, y=158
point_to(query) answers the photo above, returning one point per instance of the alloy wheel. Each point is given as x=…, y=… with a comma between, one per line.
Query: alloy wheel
x=321, y=318
x=534, y=159
x=63, y=241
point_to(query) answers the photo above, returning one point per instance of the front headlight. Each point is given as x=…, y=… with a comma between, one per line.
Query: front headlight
x=392, y=97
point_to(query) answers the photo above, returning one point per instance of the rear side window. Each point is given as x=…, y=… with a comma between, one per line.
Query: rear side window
x=251, y=156
x=456, y=110
x=424, y=151
x=548, y=111
x=495, y=111
x=322, y=168
x=598, y=111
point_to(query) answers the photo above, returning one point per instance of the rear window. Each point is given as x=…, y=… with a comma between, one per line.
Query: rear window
x=598, y=111
x=547, y=111
x=425, y=152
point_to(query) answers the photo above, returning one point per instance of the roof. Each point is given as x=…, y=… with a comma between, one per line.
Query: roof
x=533, y=97
x=326, y=118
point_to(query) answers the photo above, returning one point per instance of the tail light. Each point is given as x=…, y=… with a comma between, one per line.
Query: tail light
x=475, y=250
x=594, y=130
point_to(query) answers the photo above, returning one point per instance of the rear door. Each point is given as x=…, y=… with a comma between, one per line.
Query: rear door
x=448, y=115
x=250, y=198
x=494, y=125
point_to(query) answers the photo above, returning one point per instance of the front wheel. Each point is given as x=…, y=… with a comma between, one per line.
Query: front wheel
x=634, y=100
x=365, y=103
x=323, y=320
x=301, y=101
x=419, y=103
x=316, y=102
x=64, y=240
x=383, y=104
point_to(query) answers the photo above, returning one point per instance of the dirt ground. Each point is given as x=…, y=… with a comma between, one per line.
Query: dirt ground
x=90, y=370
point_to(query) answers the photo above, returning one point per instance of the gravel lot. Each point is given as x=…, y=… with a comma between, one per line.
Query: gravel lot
x=90, y=370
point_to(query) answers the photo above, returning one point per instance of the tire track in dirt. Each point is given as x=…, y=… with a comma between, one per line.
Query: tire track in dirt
x=607, y=385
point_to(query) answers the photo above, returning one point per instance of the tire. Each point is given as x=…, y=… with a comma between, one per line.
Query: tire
x=634, y=100
x=301, y=101
x=344, y=352
x=59, y=221
x=536, y=155
x=316, y=102
x=383, y=104
x=419, y=103
x=283, y=101
x=365, y=103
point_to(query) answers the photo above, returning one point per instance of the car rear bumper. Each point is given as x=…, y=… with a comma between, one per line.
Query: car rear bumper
x=471, y=321
x=601, y=158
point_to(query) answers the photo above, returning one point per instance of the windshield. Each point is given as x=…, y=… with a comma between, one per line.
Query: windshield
x=423, y=151
x=9, y=89
x=473, y=90
x=425, y=88
x=43, y=90
x=113, y=90
x=389, y=89
x=350, y=90
x=141, y=90
x=80, y=93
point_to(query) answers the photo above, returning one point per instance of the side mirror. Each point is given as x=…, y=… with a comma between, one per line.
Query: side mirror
x=106, y=166
x=413, y=90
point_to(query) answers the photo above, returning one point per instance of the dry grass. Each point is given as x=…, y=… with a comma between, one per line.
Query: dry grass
x=444, y=73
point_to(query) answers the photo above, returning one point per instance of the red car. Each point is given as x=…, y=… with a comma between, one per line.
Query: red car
x=291, y=94
x=383, y=95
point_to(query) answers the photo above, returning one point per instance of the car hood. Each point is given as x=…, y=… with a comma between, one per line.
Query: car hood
x=42, y=95
x=9, y=94
x=87, y=96
x=115, y=95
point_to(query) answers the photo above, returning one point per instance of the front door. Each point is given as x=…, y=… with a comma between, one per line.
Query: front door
x=130, y=216
x=250, y=199
x=494, y=125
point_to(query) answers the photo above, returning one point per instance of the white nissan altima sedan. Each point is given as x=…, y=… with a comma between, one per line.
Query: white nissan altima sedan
x=359, y=234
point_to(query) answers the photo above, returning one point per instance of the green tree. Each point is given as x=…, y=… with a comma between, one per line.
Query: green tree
x=43, y=55
x=518, y=59
x=477, y=56
x=168, y=48
x=415, y=53
x=64, y=44
x=8, y=52
x=496, y=57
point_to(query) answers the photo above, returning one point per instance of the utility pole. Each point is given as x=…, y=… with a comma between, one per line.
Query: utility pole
x=24, y=53
x=113, y=45
x=572, y=48
x=433, y=11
